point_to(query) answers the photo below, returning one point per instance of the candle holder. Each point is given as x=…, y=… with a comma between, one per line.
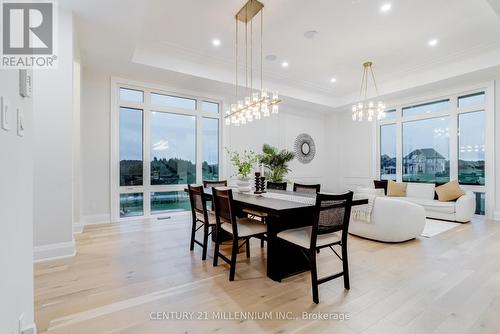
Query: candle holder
x=260, y=184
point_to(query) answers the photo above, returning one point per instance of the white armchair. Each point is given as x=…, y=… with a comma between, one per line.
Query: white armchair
x=465, y=207
x=392, y=220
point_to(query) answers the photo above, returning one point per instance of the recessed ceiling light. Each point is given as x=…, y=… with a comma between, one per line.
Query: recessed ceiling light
x=310, y=34
x=271, y=57
x=433, y=42
x=215, y=42
x=284, y=64
x=385, y=7
x=333, y=80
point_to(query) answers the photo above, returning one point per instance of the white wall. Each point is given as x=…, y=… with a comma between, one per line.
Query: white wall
x=16, y=211
x=77, y=227
x=53, y=151
x=351, y=159
x=280, y=131
x=95, y=139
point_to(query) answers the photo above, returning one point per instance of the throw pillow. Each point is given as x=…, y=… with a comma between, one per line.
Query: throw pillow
x=396, y=189
x=449, y=191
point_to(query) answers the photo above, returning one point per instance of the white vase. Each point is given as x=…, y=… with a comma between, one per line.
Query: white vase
x=244, y=184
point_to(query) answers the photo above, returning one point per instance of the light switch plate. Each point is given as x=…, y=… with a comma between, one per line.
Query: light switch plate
x=4, y=113
x=25, y=83
x=20, y=122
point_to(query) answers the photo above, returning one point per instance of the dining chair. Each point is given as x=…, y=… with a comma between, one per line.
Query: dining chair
x=200, y=214
x=239, y=228
x=212, y=184
x=332, y=214
x=307, y=188
x=276, y=185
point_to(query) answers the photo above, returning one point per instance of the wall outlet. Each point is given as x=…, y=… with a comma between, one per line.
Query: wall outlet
x=4, y=113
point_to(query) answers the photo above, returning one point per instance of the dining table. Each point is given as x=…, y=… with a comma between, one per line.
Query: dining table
x=283, y=210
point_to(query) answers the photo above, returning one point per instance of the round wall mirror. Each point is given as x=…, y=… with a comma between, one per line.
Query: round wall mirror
x=305, y=149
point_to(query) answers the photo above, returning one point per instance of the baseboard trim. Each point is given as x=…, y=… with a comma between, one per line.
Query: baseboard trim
x=77, y=228
x=96, y=219
x=54, y=251
x=30, y=329
x=496, y=216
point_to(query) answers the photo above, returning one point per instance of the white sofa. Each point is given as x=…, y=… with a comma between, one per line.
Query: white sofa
x=392, y=220
x=422, y=194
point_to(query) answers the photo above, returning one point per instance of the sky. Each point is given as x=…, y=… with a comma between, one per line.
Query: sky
x=172, y=136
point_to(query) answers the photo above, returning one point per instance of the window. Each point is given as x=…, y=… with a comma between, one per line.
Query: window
x=391, y=114
x=173, y=148
x=131, y=205
x=210, y=140
x=480, y=203
x=169, y=201
x=427, y=108
x=130, y=147
x=388, y=152
x=131, y=95
x=210, y=107
x=471, y=148
x=472, y=100
x=163, y=142
x=426, y=145
x=172, y=101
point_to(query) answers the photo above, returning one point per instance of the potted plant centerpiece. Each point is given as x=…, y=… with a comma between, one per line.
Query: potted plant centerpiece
x=244, y=163
x=275, y=162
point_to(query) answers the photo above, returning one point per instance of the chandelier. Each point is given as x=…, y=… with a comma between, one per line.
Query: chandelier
x=254, y=104
x=367, y=107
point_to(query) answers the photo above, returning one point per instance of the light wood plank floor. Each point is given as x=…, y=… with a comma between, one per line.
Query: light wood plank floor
x=123, y=272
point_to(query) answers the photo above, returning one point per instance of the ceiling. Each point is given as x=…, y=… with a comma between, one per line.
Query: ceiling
x=176, y=36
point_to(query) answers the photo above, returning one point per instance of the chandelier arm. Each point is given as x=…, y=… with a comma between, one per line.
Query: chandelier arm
x=374, y=81
x=261, y=44
x=362, y=84
x=366, y=84
x=246, y=53
x=251, y=57
x=236, y=53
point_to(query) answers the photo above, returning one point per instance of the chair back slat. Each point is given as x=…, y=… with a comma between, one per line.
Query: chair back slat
x=333, y=213
x=307, y=188
x=198, y=201
x=276, y=185
x=213, y=184
x=222, y=199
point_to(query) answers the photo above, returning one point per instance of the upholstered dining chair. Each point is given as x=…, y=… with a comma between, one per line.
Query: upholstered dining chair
x=202, y=218
x=239, y=228
x=307, y=188
x=276, y=185
x=211, y=184
x=332, y=216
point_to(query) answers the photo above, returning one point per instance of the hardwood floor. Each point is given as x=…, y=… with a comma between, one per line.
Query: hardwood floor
x=123, y=272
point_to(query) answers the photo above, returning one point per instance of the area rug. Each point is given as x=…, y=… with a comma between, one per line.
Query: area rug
x=434, y=227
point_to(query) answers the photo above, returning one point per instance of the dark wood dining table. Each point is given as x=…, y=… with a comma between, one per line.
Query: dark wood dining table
x=283, y=259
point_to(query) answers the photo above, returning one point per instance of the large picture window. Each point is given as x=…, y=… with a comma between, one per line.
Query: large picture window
x=163, y=141
x=436, y=141
x=131, y=147
x=426, y=150
x=388, y=152
x=173, y=148
x=471, y=148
